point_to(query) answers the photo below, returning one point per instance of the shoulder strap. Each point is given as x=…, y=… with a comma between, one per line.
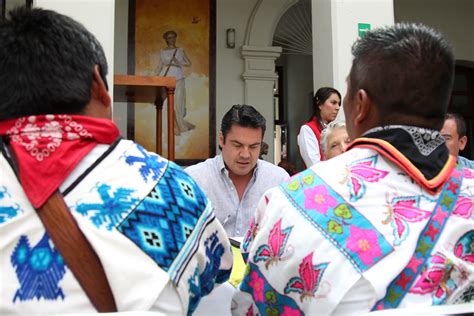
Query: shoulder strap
x=77, y=252
x=399, y=286
x=73, y=246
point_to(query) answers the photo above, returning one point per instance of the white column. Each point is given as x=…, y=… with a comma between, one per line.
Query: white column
x=259, y=79
x=335, y=29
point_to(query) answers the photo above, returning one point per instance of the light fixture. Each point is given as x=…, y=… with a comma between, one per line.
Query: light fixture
x=230, y=38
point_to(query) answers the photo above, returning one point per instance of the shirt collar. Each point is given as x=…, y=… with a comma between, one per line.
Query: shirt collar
x=223, y=169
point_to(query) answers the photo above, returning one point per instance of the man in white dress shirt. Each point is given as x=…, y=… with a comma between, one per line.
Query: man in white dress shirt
x=236, y=179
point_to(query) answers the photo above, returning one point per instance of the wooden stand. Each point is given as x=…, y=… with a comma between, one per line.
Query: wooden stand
x=150, y=89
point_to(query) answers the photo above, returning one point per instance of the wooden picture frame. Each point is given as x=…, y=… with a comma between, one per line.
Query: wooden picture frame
x=194, y=23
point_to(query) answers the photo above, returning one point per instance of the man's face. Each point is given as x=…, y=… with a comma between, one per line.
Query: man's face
x=240, y=149
x=337, y=142
x=450, y=134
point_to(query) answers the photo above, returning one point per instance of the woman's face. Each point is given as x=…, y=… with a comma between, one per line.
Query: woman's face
x=171, y=39
x=330, y=108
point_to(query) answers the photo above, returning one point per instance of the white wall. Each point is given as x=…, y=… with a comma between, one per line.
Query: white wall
x=455, y=19
x=229, y=61
x=97, y=16
x=11, y=4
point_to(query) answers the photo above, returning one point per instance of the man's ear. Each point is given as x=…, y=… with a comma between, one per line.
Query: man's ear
x=221, y=139
x=99, y=89
x=462, y=142
x=363, y=107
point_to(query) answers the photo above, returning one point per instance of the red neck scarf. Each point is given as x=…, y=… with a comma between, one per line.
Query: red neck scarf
x=48, y=147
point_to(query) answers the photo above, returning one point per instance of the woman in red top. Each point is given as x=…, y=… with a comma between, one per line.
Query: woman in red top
x=327, y=102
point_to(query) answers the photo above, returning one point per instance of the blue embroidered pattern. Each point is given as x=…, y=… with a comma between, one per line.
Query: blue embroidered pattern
x=116, y=205
x=151, y=164
x=340, y=222
x=38, y=269
x=8, y=210
x=264, y=296
x=164, y=220
x=202, y=284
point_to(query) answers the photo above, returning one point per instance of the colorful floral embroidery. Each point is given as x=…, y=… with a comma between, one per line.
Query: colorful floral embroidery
x=364, y=243
x=334, y=218
x=267, y=300
x=360, y=171
x=464, y=207
x=307, y=284
x=435, y=279
x=317, y=198
x=258, y=285
x=436, y=268
x=464, y=248
x=468, y=174
x=250, y=234
x=300, y=181
x=402, y=210
x=275, y=250
x=250, y=311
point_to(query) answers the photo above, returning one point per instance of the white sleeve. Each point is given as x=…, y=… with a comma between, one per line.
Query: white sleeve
x=168, y=302
x=308, y=146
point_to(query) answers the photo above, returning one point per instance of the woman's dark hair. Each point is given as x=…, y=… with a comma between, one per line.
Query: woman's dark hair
x=319, y=98
x=47, y=63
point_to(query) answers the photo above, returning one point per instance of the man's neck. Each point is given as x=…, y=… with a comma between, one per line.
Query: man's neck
x=240, y=182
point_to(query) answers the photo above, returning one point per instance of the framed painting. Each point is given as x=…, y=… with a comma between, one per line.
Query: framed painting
x=175, y=38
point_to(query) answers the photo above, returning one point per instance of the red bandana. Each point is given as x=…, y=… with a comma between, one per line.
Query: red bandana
x=49, y=147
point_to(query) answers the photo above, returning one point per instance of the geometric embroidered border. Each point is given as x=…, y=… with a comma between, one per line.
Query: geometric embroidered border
x=165, y=219
x=399, y=286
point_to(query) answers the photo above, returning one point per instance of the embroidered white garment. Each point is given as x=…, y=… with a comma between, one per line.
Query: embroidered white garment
x=153, y=229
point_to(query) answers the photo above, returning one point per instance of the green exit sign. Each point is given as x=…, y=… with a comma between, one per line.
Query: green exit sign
x=363, y=28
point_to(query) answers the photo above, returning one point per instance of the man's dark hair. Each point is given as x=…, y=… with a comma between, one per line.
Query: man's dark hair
x=242, y=115
x=320, y=98
x=407, y=70
x=460, y=123
x=46, y=64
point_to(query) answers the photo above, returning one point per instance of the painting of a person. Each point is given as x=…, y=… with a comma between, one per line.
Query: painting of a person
x=172, y=61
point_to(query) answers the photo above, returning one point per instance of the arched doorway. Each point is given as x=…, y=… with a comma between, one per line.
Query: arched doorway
x=294, y=90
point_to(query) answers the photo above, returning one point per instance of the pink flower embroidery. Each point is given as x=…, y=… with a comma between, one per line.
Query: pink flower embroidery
x=288, y=311
x=364, y=243
x=258, y=285
x=318, y=199
x=464, y=207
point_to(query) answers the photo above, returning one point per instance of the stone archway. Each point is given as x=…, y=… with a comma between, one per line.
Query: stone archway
x=259, y=60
